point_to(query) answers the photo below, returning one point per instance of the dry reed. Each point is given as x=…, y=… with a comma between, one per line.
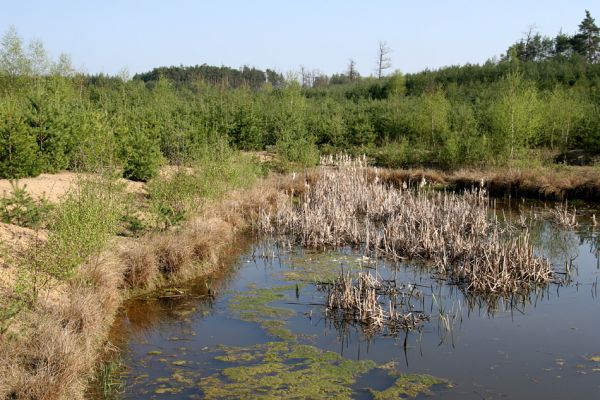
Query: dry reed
x=564, y=217
x=348, y=205
x=377, y=305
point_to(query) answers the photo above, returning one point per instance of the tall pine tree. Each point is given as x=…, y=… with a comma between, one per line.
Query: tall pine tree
x=587, y=41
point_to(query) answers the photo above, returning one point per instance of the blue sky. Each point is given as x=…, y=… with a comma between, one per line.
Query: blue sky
x=106, y=36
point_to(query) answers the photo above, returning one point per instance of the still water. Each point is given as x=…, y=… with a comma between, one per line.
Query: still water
x=259, y=329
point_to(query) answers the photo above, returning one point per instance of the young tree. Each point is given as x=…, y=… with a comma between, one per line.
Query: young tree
x=383, y=61
x=563, y=110
x=13, y=59
x=516, y=115
x=433, y=114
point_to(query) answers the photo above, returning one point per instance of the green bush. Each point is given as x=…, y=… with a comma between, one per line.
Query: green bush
x=82, y=225
x=142, y=158
x=19, y=154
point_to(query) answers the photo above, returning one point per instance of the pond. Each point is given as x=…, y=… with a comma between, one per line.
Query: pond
x=259, y=329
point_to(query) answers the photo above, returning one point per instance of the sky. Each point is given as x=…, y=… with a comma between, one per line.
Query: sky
x=109, y=36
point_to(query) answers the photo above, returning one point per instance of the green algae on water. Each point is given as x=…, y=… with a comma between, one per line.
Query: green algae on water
x=284, y=370
x=254, y=306
x=281, y=370
x=408, y=385
x=323, y=267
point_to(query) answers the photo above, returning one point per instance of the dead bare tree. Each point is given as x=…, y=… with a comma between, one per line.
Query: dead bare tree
x=384, y=61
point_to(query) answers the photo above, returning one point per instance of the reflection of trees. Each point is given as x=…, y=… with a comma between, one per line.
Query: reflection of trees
x=558, y=245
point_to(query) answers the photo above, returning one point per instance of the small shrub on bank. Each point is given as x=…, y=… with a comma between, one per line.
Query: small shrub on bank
x=83, y=224
x=142, y=158
x=21, y=209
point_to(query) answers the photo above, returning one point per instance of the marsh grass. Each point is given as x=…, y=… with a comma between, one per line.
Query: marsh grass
x=376, y=304
x=348, y=205
x=563, y=216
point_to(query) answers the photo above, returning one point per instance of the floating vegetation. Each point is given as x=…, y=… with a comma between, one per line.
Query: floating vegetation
x=324, y=266
x=454, y=232
x=409, y=385
x=280, y=370
x=374, y=303
x=254, y=306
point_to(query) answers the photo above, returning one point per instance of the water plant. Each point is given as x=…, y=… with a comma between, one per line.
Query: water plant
x=374, y=303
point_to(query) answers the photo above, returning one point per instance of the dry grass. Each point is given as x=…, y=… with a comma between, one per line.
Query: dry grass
x=563, y=216
x=52, y=353
x=348, y=205
x=141, y=267
x=554, y=183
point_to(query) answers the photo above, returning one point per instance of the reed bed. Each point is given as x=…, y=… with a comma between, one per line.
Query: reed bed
x=377, y=305
x=456, y=233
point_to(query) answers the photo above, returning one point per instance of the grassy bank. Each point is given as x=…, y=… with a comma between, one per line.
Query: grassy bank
x=550, y=182
x=76, y=264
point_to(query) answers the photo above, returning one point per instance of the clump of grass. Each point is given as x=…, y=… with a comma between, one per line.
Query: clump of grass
x=564, y=217
x=173, y=252
x=347, y=205
x=141, y=269
x=54, y=350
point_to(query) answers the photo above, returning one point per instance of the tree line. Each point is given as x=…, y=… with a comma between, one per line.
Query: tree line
x=513, y=110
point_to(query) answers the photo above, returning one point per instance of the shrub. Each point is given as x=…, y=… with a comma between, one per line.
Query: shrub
x=21, y=209
x=142, y=158
x=81, y=226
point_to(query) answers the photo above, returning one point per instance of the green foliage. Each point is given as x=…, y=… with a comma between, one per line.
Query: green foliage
x=174, y=195
x=542, y=94
x=19, y=155
x=21, y=209
x=142, y=157
x=79, y=229
x=81, y=226
x=516, y=117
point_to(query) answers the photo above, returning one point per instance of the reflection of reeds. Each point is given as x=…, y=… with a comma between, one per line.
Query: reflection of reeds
x=346, y=205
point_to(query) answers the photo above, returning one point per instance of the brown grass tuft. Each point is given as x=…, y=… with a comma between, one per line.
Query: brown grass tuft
x=52, y=354
x=141, y=267
x=172, y=252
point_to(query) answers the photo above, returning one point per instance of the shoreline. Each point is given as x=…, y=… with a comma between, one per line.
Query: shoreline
x=59, y=354
x=55, y=351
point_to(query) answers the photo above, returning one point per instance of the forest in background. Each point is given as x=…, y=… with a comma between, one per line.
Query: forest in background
x=539, y=99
